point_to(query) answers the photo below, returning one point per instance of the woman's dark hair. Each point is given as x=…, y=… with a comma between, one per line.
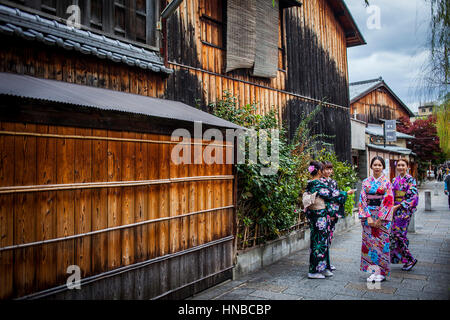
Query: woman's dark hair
x=404, y=160
x=379, y=159
x=327, y=164
x=317, y=167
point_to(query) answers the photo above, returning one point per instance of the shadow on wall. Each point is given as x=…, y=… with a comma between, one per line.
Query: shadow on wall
x=311, y=71
x=333, y=122
x=182, y=85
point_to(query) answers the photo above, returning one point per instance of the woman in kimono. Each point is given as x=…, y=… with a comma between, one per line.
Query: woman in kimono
x=336, y=210
x=406, y=199
x=375, y=212
x=319, y=222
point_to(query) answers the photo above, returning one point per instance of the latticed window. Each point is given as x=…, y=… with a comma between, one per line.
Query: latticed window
x=133, y=20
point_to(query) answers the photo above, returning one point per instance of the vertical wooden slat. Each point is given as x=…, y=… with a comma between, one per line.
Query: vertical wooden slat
x=25, y=210
x=114, y=201
x=83, y=201
x=7, y=161
x=165, y=208
x=183, y=203
x=201, y=193
x=141, y=209
x=99, y=203
x=47, y=214
x=128, y=158
x=192, y=204
x=153, y=164
x=65, y=202
x=209, y=199
x=175, y=206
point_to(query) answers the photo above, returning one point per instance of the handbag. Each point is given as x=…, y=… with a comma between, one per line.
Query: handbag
x=311, y=201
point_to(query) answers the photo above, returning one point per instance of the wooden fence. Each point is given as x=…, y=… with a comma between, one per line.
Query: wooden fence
x=108, y=202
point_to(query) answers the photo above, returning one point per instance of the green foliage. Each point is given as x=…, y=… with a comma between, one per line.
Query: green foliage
x=267, y=205
x=269, y=201
x=443, y=125
x=344, y=175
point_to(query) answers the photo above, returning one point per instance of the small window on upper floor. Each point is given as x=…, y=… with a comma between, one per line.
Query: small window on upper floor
x=213, y=35
x=130, y=20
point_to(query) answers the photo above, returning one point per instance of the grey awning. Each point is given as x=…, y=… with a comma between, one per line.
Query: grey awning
x=390, y=148
x=376, y=130
x=104, y=99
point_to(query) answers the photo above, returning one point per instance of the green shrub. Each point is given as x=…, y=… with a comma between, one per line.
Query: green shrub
x=269, y=205
x=344, y=175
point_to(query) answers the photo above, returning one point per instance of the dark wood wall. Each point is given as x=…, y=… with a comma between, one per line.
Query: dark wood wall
x=312, y=66
x=378, y=104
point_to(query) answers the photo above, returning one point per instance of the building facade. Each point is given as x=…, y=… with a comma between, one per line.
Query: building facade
x=372, y=102
x=77, y=70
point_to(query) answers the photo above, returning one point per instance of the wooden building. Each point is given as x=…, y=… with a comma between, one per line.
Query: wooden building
x=371, y=102
x=83, y=183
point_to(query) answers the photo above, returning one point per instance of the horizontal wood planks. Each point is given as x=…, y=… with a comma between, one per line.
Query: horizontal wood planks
x=27, y=217
x=378, y=104
x=315, y=52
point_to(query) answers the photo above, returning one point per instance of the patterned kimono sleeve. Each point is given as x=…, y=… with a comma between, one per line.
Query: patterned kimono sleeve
x=334, y=184
x=362, y=205
x=411, y=197
x=385, y=212
x=330, y=194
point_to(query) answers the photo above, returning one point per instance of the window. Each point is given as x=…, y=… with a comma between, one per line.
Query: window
x=132, y=20
x=213, y=33
x=212, y=26
x=281, y=43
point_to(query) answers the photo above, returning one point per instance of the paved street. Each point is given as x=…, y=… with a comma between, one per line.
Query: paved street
x=287, y=278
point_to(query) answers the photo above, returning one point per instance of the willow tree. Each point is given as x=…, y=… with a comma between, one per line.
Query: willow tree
x=443, y=125
x=435, y=78
x=439, y=77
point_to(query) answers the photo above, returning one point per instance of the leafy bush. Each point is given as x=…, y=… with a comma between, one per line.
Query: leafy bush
x=269, y=205
x=344, y=175
x=266, y=203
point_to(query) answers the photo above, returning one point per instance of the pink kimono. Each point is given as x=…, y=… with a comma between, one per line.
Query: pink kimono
x=376, y=201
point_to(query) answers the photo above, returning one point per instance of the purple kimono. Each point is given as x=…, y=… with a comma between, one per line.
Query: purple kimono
x=405, y=194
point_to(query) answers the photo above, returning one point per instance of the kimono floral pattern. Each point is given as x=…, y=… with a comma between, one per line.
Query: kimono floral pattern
x=319, y=223
x=406, y=195
x=334, y=208
x=375, y=249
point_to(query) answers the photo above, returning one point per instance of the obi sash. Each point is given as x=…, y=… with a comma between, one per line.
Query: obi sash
x=399, y=195
x=374, y=200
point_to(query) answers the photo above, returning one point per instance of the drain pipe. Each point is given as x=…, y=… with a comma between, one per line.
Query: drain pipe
x=162, y=25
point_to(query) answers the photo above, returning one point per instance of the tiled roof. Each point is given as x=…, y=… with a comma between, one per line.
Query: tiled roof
x=34, y=27
x=361, y=88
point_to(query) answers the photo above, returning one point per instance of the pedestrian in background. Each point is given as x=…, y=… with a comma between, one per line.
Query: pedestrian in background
x=447, y=188
x=375, y=211
x=440, y=173
x=336, y=210
x=406, y=199
x=317, y=200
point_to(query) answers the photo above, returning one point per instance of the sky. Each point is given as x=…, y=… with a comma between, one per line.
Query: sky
x=396, y=46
